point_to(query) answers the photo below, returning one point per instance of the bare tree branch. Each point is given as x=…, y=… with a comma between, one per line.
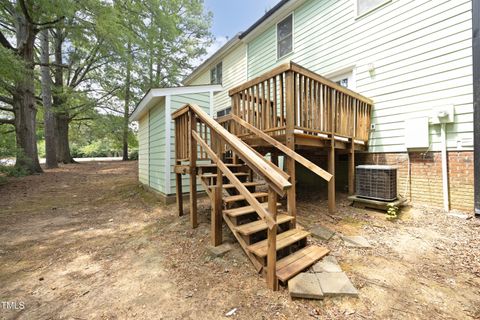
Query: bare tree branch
x=48, y=24
x=7, y=121
x=6, y=100
x=25, y=11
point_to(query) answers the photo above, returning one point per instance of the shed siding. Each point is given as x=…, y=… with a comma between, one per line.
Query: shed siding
x=177, y=101
x=157, y=147
x=408, y=56
x=143, y=149
x=234, y=66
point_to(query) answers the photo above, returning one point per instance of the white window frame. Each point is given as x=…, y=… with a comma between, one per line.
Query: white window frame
x=215, y=68
x=355, y=10
x=345, y=73
x=293, y=36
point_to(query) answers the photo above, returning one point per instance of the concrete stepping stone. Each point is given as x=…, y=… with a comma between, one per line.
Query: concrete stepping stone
x=220, y=250
x=336, y=284
x=305, y=286
x=356, y=242
x=327, y=264
x=322, y=232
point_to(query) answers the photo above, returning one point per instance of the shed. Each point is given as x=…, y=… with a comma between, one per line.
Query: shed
x=156, y=154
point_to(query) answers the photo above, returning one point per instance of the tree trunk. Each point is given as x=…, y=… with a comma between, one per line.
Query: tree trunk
x=50, y=148
x=24, y=101
x=126, y=109
x=62, y=117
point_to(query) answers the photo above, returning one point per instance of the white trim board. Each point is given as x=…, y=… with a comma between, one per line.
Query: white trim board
x=168, y=139
x=153, y=95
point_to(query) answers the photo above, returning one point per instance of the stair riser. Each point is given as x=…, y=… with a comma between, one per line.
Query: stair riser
x=286, y=251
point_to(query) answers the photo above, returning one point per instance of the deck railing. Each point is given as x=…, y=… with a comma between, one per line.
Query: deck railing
x=292, y=98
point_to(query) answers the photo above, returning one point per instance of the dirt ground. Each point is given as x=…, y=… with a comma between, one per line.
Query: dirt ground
x=86, y=242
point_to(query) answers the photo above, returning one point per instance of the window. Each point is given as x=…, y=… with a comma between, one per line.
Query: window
x=224, y=112
x=285, y=37
x=344, y=78
x=363, y=6
x=216, y=74
x=343, y=82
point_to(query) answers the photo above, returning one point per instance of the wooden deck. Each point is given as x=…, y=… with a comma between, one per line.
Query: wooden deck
x=305, y=112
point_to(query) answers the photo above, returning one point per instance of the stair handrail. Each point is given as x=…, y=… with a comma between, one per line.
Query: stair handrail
x=283, y=148
x=276, y=181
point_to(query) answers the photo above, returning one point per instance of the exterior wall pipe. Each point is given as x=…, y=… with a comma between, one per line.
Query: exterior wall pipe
x=476, y=101
x=446, y=199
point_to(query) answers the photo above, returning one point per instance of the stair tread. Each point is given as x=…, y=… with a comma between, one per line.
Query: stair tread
x=214, y=175
x=298, y=261
x=240, y=197
x=246, y=184
x=259, y=225
x=213, y=165
x=237, y=212
x=284, y=239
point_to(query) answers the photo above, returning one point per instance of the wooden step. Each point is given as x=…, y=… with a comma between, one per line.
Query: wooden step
x=237, y=212
x=213, y=165
x=284, y=239
x=214, y=175
x=246, y=184
x=298, y=261
x=260, y=225
x=240, y=197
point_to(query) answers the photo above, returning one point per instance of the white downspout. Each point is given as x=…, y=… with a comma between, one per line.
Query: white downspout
x=446, y=200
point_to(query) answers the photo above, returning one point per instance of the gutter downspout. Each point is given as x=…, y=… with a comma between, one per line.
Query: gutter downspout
x=446, y=198
x=476, y=102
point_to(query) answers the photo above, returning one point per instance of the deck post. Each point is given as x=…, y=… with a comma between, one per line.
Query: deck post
x=331, y=157
x=290, y=143
x=272, y=281
x=351, y=169
x=178, y=178
x=217, y=205
x=351, y=155
x=193, y=171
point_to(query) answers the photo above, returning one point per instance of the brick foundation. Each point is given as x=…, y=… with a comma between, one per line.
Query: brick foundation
x=425, y=185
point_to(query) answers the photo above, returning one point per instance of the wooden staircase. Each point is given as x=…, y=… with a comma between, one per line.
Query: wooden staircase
x=246, y=192
x=294, y=254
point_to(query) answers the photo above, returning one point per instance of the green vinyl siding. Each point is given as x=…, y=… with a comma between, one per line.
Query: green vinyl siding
x=143, y=149
x=157, y=147
x=234, y=65
x=408, y=56
x=177, y=101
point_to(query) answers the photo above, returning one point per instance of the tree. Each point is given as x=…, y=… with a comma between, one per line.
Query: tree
x=163, y=37
x=49, y=120
x=21, y=21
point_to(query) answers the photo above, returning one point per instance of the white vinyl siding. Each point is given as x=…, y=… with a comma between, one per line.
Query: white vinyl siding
x=409, y=56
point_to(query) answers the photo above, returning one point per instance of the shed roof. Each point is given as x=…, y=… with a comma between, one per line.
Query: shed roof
x=154, y=95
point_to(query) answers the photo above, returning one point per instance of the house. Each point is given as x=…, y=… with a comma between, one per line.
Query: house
x=412, y=58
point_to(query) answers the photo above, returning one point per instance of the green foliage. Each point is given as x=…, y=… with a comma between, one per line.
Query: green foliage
x=13, y=171
x=7, y=142
x=133, y=155
x=11, y=67
x=100, y=136
x=392, y=212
